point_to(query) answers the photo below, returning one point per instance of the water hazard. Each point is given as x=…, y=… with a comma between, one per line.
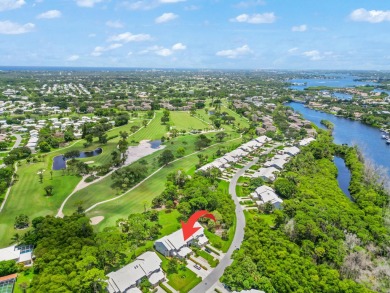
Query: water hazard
x=59, y=162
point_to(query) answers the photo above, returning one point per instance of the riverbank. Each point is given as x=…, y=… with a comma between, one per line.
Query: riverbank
x=351, y=132
x=355, y=116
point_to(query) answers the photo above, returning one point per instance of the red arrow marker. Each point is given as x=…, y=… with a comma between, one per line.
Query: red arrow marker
x=188, y=228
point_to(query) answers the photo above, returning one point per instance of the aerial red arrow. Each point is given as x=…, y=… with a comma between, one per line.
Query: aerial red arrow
x=188, y=228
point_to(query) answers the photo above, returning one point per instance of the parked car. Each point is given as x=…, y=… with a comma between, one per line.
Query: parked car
x=197, y=267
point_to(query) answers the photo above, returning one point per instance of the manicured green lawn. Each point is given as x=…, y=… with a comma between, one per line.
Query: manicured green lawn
x=184, y=121
x=132, y=201
x=210, y=259
x=151, y=132
x=25, y=277
x=27, y=194
x=169, y=222
x=102, y=190
x=28, y=197
x=184, y=280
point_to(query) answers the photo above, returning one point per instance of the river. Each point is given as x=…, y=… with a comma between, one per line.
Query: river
x=351, y=132
x=343, y=176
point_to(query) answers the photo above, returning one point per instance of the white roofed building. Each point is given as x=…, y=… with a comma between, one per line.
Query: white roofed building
x=306, y=141
x=267, y=194
x=20, y=254
x=267, y=174
x=291, y=151
x=175, y=245
x=129, y=277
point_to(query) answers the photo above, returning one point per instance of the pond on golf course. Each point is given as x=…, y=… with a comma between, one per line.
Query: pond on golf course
x=59, y=162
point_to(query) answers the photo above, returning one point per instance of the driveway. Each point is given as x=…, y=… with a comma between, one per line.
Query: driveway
x=200, y=273
x=226, y=261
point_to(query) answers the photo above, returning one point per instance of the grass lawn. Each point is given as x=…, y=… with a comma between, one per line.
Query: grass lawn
x=243, y=122
x=210, y=259
x=25, y=277
x=184, y=280
x=151, y=132
x=169, y=223
x=184, y=121
x=133, y=201
x=202, y=115
x=102, y=190
x=27, y=195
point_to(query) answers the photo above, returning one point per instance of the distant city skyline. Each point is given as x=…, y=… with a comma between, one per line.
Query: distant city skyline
x=252, y=34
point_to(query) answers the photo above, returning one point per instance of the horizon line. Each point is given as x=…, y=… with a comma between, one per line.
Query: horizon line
x=66, y=67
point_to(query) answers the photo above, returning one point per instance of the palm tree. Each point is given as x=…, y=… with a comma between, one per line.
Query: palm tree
x=16, y=238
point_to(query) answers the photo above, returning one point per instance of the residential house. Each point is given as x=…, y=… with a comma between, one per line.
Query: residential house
x=267, y=194
x=267, y=174
x=306, y=141
x=174, y=244
x=20, y=254
x=291, y=151
x=129, y=277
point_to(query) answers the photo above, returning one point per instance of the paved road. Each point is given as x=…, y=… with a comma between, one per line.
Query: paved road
x=18, y=140
x=214, y=276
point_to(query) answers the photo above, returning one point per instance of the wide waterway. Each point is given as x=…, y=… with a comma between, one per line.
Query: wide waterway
x=352, y=133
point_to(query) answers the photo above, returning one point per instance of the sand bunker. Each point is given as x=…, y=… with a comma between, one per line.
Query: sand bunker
x=144, y=148
x=96, y=220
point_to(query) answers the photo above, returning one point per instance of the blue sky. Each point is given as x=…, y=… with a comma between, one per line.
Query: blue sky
x=246, y=34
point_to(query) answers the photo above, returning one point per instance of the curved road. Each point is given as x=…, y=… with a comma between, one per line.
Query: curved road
x=18, y=140
x=226, y=261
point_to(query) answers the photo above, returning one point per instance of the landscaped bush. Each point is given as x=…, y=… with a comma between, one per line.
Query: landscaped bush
x=112, y=137
x=212, y=249
x=165, y=288
x=90, y=178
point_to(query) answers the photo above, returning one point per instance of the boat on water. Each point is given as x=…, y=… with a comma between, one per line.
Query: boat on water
x=388, y=141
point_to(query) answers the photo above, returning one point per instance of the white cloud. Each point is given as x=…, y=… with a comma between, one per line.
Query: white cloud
x=299, y=28
x=179, y=46
x=292, y=50
x=11, y=4
x=373, y=16
x=12, y=28
x=99, y=49
x=129, y=37
x=247, y=4
x=165, y=17
x=164, y=52
x=87, y=3
x=147, y=4
x=268, y=17
x=73, y=58
x=50, y=14
x=114, y=24
x=234, y=53
x=316, y=55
